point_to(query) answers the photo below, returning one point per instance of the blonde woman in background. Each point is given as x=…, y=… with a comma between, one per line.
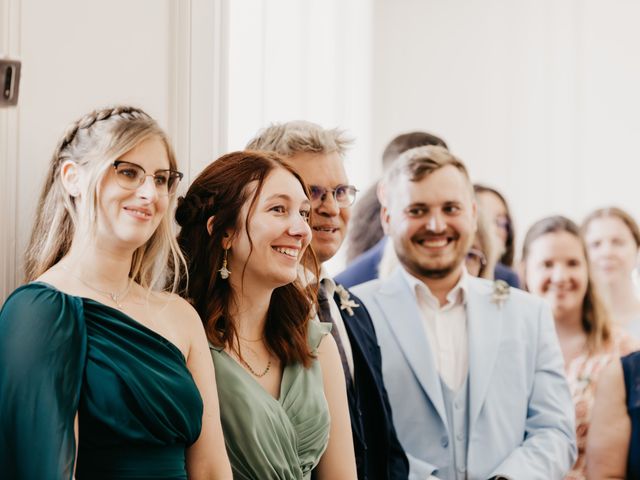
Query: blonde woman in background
x=556, y=268
x=102, y=378
x=613, y=239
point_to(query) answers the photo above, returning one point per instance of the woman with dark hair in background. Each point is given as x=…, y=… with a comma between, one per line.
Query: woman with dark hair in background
x=556, y=268
x=283, y=402
x=497, y=210
x=613, y=241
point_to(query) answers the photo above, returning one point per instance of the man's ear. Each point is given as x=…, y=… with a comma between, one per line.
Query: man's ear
x=384, y=219
x=474, y=212
x=70, y=176
x=381, y=193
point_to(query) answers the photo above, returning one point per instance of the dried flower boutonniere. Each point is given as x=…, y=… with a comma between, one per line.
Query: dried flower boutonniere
x=346, y=303
x=500, y=293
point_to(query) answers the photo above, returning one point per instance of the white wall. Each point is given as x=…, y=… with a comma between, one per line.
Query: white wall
x=78, y=55
x=302, y=59
x=539, y=97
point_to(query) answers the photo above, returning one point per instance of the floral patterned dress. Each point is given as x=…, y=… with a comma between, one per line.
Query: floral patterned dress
x=582, y=374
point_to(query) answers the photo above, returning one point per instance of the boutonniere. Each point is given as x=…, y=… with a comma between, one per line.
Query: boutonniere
x=500, y=293
x=346, y=303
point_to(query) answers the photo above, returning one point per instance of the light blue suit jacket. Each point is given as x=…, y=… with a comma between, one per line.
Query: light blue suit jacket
x=521, y=415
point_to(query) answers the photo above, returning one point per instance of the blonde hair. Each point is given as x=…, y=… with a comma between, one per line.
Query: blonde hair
x=289, y=138
x=419, y=162
x=94, y=142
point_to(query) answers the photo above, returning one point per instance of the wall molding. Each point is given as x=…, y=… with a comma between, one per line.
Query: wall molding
x=10, y=25
x=198, y=101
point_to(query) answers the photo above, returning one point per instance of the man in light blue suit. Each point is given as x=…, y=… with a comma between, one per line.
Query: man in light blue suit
x=473, y=368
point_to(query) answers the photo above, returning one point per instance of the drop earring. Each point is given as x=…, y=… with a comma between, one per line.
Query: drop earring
x=224, y=271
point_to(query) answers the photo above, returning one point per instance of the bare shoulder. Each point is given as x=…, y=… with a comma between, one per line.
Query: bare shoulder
x=177, y=310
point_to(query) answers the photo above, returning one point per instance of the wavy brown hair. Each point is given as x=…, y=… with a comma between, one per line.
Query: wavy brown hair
x=219, y=193
x=595, y=320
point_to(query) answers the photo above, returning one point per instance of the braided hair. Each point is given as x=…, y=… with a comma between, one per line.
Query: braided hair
x=94, y=142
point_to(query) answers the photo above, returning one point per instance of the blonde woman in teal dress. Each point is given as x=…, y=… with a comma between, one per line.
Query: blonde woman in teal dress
x=103, y=378
x=283, y=402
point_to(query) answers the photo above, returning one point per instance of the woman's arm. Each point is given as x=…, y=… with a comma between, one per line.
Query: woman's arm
x=207, y=457
x=610, y=430
x=338, y=461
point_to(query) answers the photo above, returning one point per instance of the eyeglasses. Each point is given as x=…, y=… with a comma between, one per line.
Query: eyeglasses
x=344, y=195
x=131, y=176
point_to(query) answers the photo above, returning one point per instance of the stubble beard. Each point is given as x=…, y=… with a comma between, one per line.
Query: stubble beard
x=419, y=270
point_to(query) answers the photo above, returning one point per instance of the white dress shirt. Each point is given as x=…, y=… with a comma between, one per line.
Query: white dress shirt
x=445, y=328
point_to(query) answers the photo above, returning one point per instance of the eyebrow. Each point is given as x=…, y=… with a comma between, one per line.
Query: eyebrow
x=284, y=196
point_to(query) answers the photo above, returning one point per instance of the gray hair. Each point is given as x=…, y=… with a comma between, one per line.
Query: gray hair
x=297, y=136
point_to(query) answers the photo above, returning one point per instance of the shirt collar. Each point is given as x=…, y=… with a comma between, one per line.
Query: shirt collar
x=457, y=295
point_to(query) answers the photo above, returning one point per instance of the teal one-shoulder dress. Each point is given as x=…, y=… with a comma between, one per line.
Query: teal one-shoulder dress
x=269, y=438
x=138, y=406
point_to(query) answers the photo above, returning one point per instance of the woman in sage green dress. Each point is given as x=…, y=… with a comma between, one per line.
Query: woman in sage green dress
x=283, y=403
x=91, y=357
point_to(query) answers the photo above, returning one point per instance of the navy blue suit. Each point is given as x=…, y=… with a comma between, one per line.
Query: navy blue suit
x=365, y=268
x=379, y=454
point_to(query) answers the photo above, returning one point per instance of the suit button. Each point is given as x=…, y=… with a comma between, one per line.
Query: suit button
x=458, y=404
x=462, y=469
x=460, y=436
x=444, y=441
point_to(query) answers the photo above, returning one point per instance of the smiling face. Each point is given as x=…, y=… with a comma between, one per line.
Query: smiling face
x=612, y=250
x=128, y=218
x=556, y=269
x=329, y=223
x=432, y=222
x=279, y=232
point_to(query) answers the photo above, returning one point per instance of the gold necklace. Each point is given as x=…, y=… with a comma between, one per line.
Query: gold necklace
x=116, y=297
x=259, y=375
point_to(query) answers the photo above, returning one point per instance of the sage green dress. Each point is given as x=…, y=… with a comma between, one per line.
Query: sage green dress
x=268, y=438
x=138, y=406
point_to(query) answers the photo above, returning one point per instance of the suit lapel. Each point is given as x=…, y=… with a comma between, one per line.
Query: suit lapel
x=398, y=302
x=484, y=319
x=352, y=390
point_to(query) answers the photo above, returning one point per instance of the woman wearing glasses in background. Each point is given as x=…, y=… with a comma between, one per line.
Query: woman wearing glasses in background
x=92, y=357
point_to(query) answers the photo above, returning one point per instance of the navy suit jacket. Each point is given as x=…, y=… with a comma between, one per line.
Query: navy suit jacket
x=365, y=268
x=379, y=454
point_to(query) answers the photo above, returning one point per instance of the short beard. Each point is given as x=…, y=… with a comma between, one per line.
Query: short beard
x=431, y=273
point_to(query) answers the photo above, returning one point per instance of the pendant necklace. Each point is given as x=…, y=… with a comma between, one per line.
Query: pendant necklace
x=116, y=297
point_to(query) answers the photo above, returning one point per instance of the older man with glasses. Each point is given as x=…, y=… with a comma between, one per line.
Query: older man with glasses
x=316, y=153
